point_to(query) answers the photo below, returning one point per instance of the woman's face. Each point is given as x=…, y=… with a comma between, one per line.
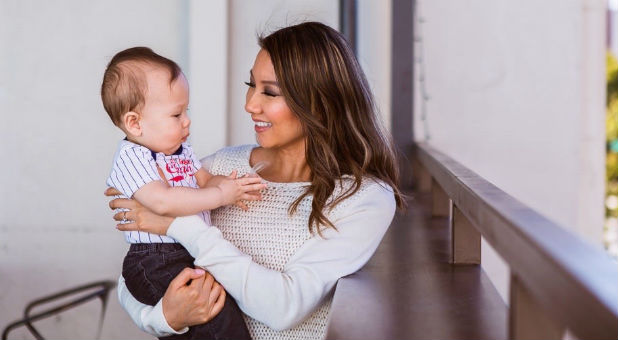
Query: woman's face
x=275, y=124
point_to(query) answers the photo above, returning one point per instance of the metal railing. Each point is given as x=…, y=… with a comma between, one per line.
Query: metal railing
x=558, y=281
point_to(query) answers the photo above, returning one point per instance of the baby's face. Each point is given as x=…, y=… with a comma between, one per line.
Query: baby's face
x=164, y=120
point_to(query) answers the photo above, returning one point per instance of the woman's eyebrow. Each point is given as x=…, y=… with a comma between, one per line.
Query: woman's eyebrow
x=267, y=82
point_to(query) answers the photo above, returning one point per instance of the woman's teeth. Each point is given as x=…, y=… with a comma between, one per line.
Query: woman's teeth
x=263, y=124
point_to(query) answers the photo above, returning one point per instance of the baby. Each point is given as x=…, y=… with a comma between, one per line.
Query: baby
x=146, y=96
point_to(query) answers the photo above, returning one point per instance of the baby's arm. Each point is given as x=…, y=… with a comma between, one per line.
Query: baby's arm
x=183, y=201
x=206, y=179
x=203, y=177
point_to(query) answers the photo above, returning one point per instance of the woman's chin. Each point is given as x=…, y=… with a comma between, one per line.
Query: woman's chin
x=260, y=141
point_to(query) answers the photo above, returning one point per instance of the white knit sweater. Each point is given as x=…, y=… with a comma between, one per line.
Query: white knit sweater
x=280, y=274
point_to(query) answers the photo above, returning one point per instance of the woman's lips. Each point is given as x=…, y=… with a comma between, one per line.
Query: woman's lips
x=261, y=126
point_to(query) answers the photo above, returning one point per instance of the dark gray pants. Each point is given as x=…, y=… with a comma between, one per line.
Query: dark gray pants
x=149, y=268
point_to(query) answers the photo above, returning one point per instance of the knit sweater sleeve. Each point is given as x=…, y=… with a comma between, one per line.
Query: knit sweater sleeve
x=282, y=299
x=150, y=319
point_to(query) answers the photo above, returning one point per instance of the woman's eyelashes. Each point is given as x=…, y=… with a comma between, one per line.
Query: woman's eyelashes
x=267, y=91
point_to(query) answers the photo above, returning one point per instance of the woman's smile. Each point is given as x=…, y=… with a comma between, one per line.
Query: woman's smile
x=261, y=126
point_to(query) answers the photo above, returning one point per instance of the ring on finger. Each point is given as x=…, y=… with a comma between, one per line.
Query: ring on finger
x=124, y=217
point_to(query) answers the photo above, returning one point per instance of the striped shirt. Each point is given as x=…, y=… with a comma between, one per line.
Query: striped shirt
x=135, y=166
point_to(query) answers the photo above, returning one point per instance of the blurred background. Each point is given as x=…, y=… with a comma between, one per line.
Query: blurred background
x=515, y=90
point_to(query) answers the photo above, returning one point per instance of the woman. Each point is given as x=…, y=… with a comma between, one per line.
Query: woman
x=331, y=194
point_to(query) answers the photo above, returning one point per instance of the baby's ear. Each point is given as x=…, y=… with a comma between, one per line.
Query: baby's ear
x=130, y=120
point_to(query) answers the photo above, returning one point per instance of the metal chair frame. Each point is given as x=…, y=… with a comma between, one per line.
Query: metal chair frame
x=102, y=289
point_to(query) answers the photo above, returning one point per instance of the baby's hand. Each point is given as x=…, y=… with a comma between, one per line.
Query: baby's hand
x=237, y=189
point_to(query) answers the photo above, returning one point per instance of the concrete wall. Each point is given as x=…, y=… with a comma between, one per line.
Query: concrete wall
x=55, y=230
x=514, y=90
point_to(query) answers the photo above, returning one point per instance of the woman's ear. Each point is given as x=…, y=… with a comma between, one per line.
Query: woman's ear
x=131, y=122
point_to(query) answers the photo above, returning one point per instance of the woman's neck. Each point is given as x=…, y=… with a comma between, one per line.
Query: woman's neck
x=284, y=165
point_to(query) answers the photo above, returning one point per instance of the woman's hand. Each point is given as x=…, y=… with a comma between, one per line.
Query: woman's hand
x=140, y=217
x=193, y=304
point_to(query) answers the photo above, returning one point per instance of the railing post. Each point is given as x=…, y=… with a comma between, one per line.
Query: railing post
x=440, y=202
x=465, y=239
x=527, y=320
x=422, y=177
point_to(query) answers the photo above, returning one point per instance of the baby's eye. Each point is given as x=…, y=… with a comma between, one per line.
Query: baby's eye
x=177, y=115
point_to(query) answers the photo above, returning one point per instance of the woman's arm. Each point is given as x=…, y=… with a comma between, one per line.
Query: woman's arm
x=283, y=299
x=146, y=317
x=193, y=295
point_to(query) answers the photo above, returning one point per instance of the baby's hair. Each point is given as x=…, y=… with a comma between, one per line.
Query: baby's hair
x=124, y=82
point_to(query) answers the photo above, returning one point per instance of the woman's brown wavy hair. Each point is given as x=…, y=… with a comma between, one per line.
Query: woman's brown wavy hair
x=324, y=85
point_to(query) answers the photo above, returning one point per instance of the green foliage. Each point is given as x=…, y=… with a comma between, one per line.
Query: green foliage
x=611, y=125
x=612, y=79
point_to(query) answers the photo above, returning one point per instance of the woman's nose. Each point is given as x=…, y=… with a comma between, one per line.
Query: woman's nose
x=252, y=104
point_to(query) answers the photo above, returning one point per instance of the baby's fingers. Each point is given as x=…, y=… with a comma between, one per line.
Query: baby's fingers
x=253, y=187
x=233, y=174
x=249, y=180
x=251, y=197
x=241, y=205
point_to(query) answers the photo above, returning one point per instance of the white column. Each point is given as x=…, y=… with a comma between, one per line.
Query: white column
x=591, y=116
x=374, y=25
x=208, y=76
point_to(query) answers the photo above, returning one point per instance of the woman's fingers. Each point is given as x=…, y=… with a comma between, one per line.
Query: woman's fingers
x=216, y=299
x=186, y=305
x=124, y=216
x=131, y=226
x=124, y=203
x=206, y=284
x=185, y=276
x=112, y=192
x=215, y=291
x=218, y=306
x=195, y=303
